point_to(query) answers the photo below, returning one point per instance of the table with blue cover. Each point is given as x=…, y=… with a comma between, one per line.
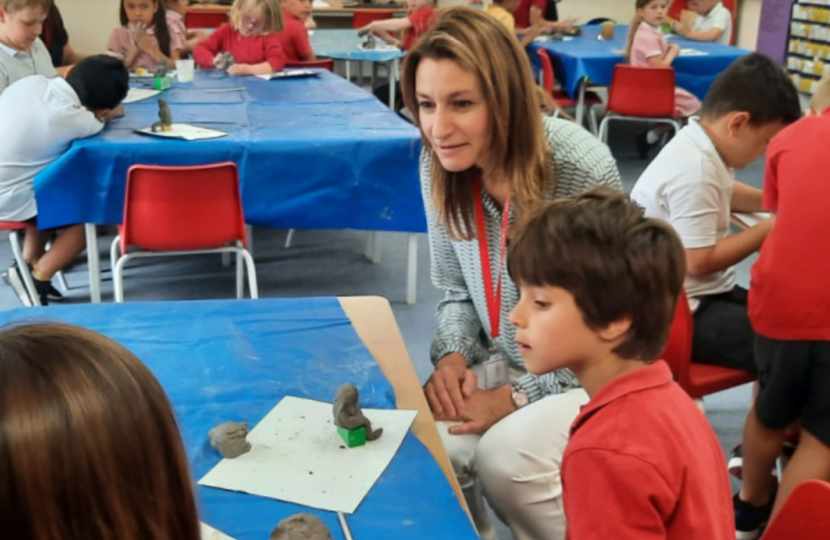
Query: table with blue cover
x=584, y=58
x=346, y=45
x=313, y=153
x=231, y=359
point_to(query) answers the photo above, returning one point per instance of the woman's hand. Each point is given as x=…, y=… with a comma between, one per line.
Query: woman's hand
x=483, y=409
x=449, y=384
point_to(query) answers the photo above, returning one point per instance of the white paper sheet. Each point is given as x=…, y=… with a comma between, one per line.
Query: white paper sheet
x=297, y=456
x=288, y=74
x=151, y=74
x=186, y=132
x=209, y=533
x=137, y=94
x=692, y=52
x=750, y=219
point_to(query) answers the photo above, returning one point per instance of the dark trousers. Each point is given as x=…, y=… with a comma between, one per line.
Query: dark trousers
x=723, y=335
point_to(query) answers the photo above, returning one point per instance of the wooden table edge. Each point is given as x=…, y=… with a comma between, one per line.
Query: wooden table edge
x=375, y=324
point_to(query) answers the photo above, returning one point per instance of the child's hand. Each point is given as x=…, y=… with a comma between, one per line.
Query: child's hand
x=240, y=69
x=678, y=28
x=218, y=60
x=369, y=28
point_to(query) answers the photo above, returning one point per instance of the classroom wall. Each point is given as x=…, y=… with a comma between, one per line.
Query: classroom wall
x=90, y=21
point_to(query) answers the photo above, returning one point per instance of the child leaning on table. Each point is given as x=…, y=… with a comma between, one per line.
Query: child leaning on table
x=46, y=116
x=598, y=285
x=90, y=445
x=251, y=36
x=789, y=305
x=22, y=53
x=647, y=47
x=145, y=39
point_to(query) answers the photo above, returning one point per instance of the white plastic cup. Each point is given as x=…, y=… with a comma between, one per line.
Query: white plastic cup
x=184, y=70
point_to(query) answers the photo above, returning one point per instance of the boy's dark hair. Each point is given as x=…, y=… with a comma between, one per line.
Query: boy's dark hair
x=101, y=81
x=753, y=84
x=615, y=262
x=159, y=23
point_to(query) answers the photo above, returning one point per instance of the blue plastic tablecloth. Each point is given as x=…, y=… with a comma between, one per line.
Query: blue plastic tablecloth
x=584, y=56
x=345, y=45
x=314, y=153
x=223, y=360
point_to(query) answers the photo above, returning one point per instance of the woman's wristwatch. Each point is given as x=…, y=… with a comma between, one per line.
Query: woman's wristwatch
x=519, y=396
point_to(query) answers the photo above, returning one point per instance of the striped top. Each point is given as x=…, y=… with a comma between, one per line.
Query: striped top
x=578, y=162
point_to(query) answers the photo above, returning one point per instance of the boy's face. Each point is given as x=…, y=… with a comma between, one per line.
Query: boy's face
x=19, y=29
x=415, y=5
x=702, y=7
x=551, y=331
x=299, y=8
x=140, y=11
x=745, y=143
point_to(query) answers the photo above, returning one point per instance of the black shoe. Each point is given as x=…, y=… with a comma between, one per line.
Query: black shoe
x=750, y=521
x=14, y=280
x=44, y=290
x=642, y=145
x=52, y=294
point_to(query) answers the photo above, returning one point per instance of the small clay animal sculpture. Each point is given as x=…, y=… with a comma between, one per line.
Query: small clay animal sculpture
x=301, y=527
x=226, y=62
x=161, y=72
x=347, y=413
x=229, y=439
x=165, y=122
x=370, y=42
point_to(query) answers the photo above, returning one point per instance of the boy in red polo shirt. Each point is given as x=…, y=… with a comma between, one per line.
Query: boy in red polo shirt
x=294, y=35
x=598, y=287
x=789, y=307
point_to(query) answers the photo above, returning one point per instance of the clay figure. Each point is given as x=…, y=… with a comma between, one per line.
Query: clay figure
x=226, y=61
x=347, y=413
x=301, y=527
x=161, y=72
x=165, y=122
x=370, y=42
x=229, y=439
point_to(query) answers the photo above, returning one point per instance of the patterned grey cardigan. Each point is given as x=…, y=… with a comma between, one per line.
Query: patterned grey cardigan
x=578, y=162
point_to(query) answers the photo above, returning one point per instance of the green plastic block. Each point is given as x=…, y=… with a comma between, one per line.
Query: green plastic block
x=353, y=437
x=161, y=83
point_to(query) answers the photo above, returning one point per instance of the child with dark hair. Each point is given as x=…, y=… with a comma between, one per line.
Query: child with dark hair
x=46, y=116
x=144, y=39
x=598, y=287
x=690, y=185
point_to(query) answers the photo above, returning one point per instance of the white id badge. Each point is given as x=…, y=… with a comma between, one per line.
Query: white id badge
x=495, y=372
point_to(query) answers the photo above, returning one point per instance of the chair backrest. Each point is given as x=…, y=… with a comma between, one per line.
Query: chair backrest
x=678, y=350
x=641, y=91
x=183, y=208
x=362, y=18
x=205, y=19
x=804, y=515
x=548, y=75
x=323, y=63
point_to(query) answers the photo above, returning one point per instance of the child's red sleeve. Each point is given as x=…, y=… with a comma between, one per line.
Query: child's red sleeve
x=770, y=199
x=304, y=49
x=206, y=51
x=274, y=54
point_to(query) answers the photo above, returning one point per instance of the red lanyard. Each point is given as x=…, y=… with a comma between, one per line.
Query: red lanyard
x=493, y=300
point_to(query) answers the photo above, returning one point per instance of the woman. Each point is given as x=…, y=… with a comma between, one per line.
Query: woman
x=487, y=148
x=89, y=447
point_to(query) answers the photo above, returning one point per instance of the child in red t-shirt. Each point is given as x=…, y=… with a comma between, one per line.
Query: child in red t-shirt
x=294, y=37
x=789, y=306
x=252, y=37
x=598, y=285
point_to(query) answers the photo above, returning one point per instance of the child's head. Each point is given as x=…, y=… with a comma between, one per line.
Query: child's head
x=415, y=5
x=21, y=22
x=596, y=278
x=651, y=11
x=702, y=7
x=747, y=105
x=89, y=446
x=821, y=97
x=299, y=8
x=179, y=6
x=150, y=13
x=101, y=82
x=257, y=17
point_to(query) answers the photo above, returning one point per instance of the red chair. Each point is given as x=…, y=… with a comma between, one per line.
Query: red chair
x=804, y=515
x=362, y=18
x=561, y=98
x=640, y=95
x=205, y=19
x=698, y=380
x=323, y=63
x=183, y=211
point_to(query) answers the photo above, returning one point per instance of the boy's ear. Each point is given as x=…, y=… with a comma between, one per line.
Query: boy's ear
x=615, y=330
x=736, y=121
x=810, y=112
x=2, y=14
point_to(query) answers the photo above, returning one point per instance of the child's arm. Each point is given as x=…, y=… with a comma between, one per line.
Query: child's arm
x=746, y=198
x=121, y=45
x=193, y=38
x=667, y=59
x=697, y=35
x=205, y=52
x=526, y=35
x=387, y=25
x=727, y=251
x=389, y=38
x=148, y=44
x=274, y=60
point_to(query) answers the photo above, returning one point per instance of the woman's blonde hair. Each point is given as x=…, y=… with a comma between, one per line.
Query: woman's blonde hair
x=89, y=446
x=481, y=45
x=632, y=29
x=271, y=14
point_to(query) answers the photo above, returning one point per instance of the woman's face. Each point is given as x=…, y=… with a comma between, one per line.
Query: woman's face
x=453, y=114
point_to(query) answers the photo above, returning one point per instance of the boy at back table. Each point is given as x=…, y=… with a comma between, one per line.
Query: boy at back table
x=46, y=116
x=789, y=305
x=22, y=53
x=598, y=286
x=690, y=185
